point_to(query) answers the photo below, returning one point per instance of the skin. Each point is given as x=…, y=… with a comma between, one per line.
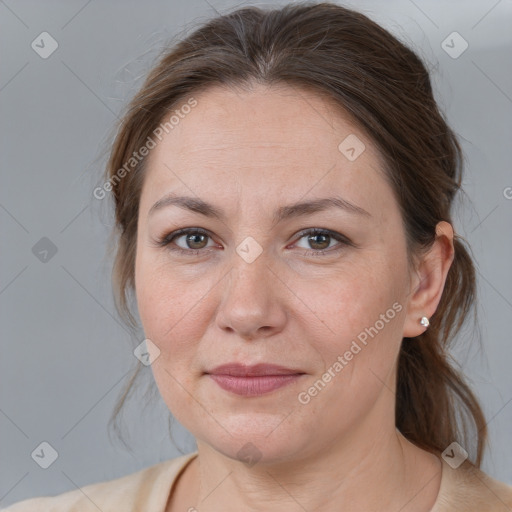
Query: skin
x=249, y=153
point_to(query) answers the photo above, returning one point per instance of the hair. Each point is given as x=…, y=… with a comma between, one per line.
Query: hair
x=382, y=84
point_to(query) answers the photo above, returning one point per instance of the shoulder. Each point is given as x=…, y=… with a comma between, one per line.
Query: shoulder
x=147, y=489
x=470, y=489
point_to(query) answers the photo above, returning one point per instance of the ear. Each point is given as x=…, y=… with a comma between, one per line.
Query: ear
x=428, y=280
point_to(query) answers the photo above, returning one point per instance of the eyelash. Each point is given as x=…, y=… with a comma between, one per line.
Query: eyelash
x=168, y=239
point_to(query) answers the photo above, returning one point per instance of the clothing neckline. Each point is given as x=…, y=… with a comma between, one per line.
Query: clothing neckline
x=188, y=458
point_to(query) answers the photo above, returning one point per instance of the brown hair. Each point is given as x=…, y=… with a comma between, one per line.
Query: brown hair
x=385, y=87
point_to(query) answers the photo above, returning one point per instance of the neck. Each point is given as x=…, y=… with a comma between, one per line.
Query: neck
x=387, y=473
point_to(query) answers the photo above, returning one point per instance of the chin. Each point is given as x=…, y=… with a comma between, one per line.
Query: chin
x=254, y=442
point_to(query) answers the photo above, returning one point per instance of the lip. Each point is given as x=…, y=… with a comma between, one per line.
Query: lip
x=255, y=370
x=253, y=380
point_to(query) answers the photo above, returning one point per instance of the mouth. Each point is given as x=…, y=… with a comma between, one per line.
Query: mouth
x=253, y=380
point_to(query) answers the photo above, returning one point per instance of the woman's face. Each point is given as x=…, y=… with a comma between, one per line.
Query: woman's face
x=255, y=289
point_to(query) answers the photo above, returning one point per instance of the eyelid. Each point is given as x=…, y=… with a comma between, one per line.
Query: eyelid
x=323, y=231
x=170, y=237
x=340, y=238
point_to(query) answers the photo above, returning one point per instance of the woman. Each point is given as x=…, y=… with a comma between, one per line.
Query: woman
x=283, y=184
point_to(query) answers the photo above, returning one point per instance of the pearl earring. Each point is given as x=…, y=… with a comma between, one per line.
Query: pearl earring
x=424, y=321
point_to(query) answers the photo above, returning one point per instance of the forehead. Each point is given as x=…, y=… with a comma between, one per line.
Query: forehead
x=265, y=142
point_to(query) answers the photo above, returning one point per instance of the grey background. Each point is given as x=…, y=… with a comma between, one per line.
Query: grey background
x=64, y=355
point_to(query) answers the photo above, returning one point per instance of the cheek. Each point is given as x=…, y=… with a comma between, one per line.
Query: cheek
x=170, y=310
x=171, y=307
x=155, y=301
x=351, y=299
x=359, y=316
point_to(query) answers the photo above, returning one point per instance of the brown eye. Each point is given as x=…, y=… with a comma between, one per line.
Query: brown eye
x=320, y=239
x=196, y=240
x=193, y=242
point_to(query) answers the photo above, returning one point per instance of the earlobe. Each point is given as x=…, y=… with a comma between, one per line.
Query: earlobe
x=431, y=272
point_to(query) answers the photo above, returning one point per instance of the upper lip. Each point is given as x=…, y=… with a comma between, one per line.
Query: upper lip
x=241, y=370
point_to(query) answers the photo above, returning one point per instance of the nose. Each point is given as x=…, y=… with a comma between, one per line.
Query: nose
x=253, y=300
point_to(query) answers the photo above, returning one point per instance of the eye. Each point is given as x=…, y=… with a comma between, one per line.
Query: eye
x=194, y=241
x=320, y=240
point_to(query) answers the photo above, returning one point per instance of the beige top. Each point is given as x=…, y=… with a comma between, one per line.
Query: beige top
x=465, y=489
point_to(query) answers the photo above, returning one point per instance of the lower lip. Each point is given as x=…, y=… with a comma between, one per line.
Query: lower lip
x=253, y=386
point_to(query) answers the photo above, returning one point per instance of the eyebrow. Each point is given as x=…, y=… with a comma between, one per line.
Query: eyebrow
x=197, y=205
